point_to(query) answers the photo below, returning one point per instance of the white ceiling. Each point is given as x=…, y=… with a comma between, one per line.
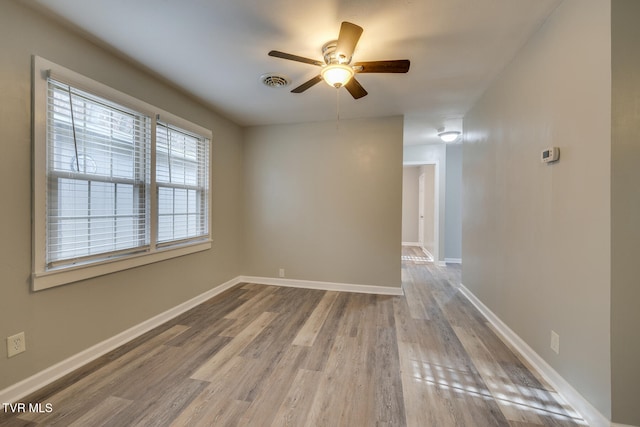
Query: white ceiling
x=216, y=50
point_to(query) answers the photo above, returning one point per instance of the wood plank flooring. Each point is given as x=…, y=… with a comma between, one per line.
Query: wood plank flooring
x=268, y=356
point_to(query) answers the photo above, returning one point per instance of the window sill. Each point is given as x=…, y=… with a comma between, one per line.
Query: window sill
x=41, y=280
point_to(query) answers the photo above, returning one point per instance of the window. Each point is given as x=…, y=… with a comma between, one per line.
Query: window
x=182, y=179
x=98, y=179
x=117, y=183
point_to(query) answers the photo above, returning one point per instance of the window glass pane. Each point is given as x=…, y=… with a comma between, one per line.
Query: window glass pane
x=165, y=228
x=125, y=231
x=102, y=199
x=101, y=231
x=180, y=226
x=180, y=201
x=162, y=167
x=165, y=201
x=125, y=202
x=72, y=198
x=192, y=205
x=71, y=237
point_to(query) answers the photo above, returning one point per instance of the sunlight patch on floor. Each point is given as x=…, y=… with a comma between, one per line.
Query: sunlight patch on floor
x=417, y=259
x=451, y=380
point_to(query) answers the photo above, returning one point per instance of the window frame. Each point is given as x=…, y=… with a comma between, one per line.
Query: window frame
x=44, y=277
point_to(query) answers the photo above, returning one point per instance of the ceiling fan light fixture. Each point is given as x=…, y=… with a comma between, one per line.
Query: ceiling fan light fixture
x=449, y=136
x=337, y=75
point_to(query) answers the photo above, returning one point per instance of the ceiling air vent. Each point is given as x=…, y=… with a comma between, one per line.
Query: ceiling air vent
x=274, y=80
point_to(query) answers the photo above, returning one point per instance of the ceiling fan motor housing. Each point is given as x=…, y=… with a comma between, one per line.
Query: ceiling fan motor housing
x=331, y=56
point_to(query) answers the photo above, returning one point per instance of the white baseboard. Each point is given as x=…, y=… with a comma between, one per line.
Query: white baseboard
x=411, y=244
x=324, y=286
x=35, y=382
x=591, y=415
x=453, y=260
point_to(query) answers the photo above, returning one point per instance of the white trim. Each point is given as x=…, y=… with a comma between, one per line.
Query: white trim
x=324, y=286
x=411, y=244
x=441, y=263
x=591, y=415
x=35, y=382
x=621, y=425
x=419, y=162
x=453, y=260
x=49, y=279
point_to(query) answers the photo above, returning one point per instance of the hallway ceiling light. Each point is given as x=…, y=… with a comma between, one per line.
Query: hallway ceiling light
x=448, y=136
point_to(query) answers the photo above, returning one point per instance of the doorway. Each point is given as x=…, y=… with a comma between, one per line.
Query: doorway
x=420, y=208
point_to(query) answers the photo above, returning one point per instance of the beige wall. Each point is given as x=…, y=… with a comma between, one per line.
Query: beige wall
x=62, y=321
x=536, y=237
x=625, y=211
x=325, y=203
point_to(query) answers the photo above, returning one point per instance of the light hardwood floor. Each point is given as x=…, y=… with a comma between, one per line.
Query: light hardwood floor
x=268, y=356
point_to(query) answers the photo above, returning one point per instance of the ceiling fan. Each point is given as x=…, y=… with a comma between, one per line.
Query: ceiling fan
x=337, y=69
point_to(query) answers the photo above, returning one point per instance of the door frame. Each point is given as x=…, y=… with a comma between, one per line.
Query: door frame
x=421, y=210
x=436, y=204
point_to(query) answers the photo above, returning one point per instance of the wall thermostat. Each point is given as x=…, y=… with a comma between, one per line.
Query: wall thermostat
x=551, y=154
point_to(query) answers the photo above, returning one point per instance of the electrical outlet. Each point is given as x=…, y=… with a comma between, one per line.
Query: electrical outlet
x=555, y=342
x=16, y=344
x=281, y=272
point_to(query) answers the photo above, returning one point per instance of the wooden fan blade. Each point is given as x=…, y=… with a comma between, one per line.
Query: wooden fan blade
x=348, y=39
x=307, y=85
x=395, y=66
x=283, y=55
x=355, y=88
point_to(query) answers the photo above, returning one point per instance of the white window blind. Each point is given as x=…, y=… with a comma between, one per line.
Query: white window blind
x=117, y=183
x=98, y=177
x=182, y=178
